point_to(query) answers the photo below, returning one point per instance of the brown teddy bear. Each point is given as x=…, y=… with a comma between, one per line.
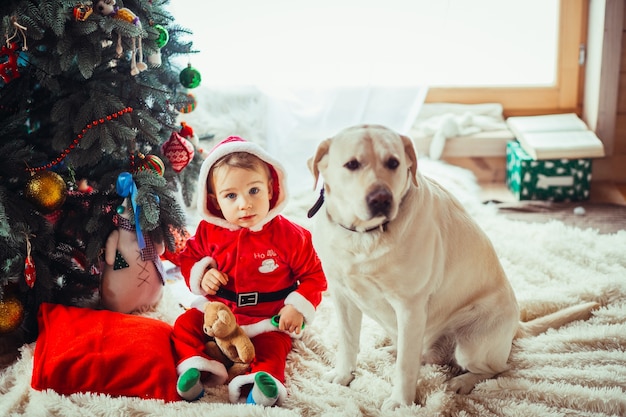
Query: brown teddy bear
x=230, y=345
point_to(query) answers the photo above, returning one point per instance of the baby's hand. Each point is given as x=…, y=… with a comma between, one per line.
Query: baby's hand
x=291, y=320
x=212, y=280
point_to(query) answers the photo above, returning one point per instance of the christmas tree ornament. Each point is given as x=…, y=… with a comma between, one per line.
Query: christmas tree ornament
x=187, y=132
x=8, y=63
x=47, y=190
x=30, y=273
x=20, y=32
x=154, y=59
x=180, y=240
x=151, y=162
x=53, y=217
x=178, y=150
x=163, y=38
x=83, y=187
x=31, y=126
x=11, y=313
x=76, y=141
x=82, y=12
x=9, y=55
x=108, y=8
x=190, y=77
x=190, y=105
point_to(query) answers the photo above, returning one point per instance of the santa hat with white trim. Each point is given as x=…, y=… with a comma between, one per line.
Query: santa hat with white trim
x=228, y=146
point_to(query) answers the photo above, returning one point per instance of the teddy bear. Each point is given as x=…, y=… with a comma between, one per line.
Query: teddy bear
x=229, y=344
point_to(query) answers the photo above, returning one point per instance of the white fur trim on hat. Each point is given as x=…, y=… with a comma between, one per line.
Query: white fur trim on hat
x=238, y=382
x=230, y=145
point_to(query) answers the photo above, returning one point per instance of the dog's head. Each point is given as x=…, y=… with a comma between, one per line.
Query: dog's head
x=366, y=170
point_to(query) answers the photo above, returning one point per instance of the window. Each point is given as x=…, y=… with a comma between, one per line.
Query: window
x=521, y=53
x=566, y=93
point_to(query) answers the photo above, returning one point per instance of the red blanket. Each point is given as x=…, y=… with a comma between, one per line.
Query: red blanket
x=99, y=351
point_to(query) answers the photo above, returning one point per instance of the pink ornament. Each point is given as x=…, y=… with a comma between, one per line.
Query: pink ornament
x=178, y=150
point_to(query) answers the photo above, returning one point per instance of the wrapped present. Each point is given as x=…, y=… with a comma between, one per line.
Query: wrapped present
x=549, y=179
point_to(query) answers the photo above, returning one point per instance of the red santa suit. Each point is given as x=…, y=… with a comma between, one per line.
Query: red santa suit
x=270, y=265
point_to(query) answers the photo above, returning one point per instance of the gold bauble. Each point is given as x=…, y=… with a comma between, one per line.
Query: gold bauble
x=11, y=314
x=47, y=190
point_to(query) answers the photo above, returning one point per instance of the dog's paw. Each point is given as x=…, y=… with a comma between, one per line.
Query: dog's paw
x=339, y=378
x=465, y=383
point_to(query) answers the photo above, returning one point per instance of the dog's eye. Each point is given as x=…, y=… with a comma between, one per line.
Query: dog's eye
x=393, y=163
x=352, y=165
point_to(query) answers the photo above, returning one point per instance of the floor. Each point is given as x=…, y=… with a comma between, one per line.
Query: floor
x=601, y=192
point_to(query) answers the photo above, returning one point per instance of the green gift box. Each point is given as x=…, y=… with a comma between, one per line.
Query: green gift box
x=550, y=179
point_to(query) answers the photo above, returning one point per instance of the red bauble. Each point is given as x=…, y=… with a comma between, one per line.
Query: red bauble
x=186, y=131
x=30, y=273
x=179, y=244
x=8, y=59
x=178, y=150
x=82, y=12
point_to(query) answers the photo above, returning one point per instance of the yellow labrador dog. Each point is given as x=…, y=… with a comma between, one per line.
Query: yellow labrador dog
x=398, y=247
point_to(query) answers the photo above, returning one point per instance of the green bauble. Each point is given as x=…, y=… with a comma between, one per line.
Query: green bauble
x=190, y=77
x=163, y=38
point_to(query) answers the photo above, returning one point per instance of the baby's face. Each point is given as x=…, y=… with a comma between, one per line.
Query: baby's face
x=243, y=195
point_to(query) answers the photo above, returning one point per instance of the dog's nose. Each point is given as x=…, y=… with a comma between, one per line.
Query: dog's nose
x=379, y=202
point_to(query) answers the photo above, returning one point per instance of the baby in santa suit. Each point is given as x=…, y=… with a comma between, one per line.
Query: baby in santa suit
x=247, y=255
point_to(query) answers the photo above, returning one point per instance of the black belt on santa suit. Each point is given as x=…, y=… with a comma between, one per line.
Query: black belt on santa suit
x=244, y=299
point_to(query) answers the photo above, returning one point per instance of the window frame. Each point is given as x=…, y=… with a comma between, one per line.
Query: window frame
x=565, y=96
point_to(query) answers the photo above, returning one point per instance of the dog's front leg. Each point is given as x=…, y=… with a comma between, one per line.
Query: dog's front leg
x=411, y=321
x=349, y=321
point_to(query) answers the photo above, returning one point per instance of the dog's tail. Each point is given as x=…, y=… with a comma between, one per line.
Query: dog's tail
x=556, y=319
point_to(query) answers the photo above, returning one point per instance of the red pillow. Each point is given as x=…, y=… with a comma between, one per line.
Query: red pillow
x=104, y=352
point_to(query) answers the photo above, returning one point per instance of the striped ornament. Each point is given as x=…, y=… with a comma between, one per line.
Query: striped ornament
x=153, y=163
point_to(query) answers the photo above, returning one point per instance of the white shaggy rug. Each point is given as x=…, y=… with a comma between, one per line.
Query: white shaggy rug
x=578, y=370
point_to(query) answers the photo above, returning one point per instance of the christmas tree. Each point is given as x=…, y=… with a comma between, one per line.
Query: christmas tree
x=89, y=100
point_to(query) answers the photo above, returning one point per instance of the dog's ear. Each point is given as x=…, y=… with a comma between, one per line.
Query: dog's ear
x=409, y=151
x=312, y=163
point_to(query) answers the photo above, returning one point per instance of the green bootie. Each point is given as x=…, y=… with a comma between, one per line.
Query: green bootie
x=264, y=391
x=189, y=386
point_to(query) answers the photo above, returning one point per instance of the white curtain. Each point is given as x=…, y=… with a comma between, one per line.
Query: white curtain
x=299, y=118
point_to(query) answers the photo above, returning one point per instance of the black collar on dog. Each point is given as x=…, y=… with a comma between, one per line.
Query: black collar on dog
x=320, y=202
x=380, y=227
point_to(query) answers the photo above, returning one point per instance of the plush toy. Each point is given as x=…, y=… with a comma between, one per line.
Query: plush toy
x=230, y=345
x=133, y=278
x=108, y=8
